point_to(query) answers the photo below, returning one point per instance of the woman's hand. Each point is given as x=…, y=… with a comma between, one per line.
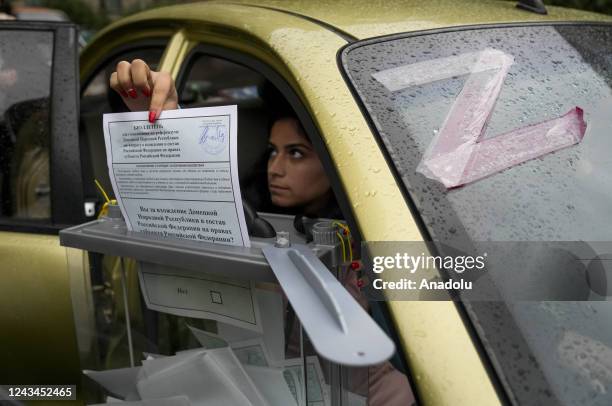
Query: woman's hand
x=143, y=89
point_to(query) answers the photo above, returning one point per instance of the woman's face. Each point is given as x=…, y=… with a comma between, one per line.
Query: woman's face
x=295, y=173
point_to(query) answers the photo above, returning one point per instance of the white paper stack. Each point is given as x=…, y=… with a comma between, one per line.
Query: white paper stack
x=234, y=367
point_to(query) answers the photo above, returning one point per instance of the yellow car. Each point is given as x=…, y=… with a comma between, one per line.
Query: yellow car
x=380, y=88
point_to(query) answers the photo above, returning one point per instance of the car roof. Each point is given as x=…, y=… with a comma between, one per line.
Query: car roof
x=371, y=18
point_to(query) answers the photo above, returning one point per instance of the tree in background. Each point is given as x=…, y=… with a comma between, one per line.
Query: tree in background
x=79, y=12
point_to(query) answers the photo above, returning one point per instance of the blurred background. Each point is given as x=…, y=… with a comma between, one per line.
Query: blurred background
x=92, y=15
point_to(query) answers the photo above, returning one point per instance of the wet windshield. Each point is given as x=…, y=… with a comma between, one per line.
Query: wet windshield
x=504, y=134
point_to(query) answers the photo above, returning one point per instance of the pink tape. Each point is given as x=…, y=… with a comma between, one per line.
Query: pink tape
x=459, y=154
x=496, y=154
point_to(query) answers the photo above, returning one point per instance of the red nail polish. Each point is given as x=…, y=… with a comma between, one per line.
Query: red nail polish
x=354, y=265
x=146, y=92
x=152, y=116
x=132, y=93
x=123, y=93
x=360, y=283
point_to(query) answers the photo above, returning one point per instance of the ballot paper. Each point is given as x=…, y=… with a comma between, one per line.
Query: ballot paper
x=235, y=372
x=248, y=352
x=317, y=391
x=118, y=382
x=272, y=384
x=190, y=293
x=178, y=177
x=206, y=377
x=151, y=355
x=251, y=352
x=271, y=308
x=206, y=339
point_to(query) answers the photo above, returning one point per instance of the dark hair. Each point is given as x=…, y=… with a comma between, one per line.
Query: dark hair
x=278, y=107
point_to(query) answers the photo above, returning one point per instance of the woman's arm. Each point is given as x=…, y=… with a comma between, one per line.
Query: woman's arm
x=144, y=89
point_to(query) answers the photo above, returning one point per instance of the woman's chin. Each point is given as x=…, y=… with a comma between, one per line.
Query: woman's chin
x=281, y=201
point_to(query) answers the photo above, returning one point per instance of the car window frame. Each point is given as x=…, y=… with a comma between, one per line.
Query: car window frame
x=306, y=119
x=64, y=159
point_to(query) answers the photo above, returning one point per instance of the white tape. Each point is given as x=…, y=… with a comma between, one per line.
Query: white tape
x=420, y=73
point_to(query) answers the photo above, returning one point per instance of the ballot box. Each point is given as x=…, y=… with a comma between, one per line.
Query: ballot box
x=173, y=321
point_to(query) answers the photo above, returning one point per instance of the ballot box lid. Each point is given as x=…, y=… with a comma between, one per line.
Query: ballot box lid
x=110, y=236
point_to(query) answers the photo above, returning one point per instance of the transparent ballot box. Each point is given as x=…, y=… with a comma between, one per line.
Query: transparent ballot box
x=181, y=322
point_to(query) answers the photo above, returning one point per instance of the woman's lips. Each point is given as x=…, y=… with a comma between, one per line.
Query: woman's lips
x=278, y=188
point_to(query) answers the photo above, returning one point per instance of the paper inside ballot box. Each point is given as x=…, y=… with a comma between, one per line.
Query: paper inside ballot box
x=118, y=382
x=195, y=294
x=263, y=349
x=209, y=377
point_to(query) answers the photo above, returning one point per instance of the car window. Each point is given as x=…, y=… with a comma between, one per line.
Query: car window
x=553, y=81
x=211, y=81
x=25, y=88
x=97, y=99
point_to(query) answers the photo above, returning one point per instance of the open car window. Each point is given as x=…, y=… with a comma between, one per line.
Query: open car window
x=212, y=81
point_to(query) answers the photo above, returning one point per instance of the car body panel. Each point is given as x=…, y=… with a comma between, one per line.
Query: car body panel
x=35, y=299
x=444, y=362
x=366, y=19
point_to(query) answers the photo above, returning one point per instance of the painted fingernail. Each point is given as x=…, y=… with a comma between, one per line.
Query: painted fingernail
x=152, y=116
x=146, y=92
x=132, y=93
x=124, y=93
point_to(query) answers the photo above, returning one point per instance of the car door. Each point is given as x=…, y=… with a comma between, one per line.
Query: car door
x=40, y=193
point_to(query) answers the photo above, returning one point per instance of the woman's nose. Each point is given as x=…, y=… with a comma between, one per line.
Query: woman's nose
x=276, y=165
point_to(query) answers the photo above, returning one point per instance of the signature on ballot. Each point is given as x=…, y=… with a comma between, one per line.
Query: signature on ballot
x=212, y=138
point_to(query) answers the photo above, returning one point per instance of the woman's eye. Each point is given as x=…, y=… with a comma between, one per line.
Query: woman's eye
x=296, y=153
x=272, y=153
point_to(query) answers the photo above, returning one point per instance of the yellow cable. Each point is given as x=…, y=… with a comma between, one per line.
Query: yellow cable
x=102, y=191
x=103, y=210
x=350, y=247
x=343, y=249
x=348, y=236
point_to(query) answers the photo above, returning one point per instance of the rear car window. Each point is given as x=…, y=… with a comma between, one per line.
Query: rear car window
x=411, y=89
x=25, y=88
